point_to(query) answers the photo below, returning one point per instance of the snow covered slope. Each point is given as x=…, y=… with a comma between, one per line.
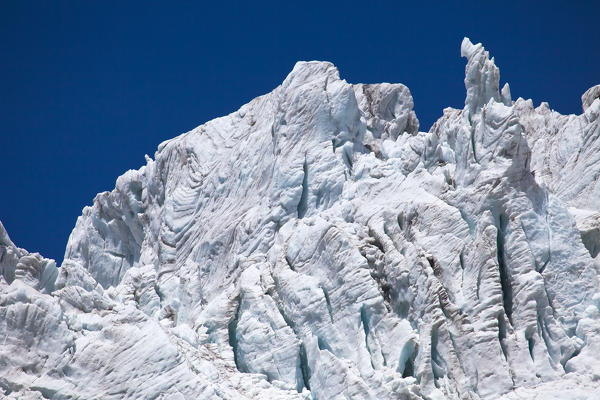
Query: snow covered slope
x=316, y=245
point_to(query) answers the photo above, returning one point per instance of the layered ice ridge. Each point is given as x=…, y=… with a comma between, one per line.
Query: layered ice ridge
x=315, y=244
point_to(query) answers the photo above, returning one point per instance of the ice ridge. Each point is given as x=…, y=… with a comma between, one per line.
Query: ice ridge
x=315, y=244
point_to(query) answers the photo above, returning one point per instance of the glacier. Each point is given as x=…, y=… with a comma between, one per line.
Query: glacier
x=315, y=244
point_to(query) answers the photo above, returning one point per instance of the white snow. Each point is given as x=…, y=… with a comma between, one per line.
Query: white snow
x=316, y=245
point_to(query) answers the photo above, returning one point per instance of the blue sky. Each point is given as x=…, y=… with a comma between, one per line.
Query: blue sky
x=88, y=88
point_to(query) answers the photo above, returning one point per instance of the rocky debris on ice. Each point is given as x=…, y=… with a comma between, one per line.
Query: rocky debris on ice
x=315, y=244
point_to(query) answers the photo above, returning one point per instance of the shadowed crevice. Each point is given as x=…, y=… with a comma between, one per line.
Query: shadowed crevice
x=507, y=294
x=233, y=342
x=302, y=204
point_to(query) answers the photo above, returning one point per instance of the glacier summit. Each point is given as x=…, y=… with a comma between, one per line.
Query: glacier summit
x=315, y=244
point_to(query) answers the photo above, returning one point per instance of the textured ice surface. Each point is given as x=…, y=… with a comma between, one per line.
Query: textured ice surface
x=316, y=245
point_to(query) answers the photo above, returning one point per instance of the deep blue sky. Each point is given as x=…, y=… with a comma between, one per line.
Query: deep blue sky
x=89, y=87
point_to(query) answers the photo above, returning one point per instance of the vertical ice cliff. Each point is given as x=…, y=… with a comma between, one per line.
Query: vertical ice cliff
x=316, y=245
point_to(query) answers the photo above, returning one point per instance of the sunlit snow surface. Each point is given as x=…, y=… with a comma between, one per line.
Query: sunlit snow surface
x=316, y=245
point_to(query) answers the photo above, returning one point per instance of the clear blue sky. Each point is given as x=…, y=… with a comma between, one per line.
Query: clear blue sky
x=89, y=87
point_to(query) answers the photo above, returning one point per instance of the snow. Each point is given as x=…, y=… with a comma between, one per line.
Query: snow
x=316, y=245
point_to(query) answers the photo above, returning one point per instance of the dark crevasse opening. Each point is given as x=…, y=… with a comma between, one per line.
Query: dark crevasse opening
x=323, y=345
x=507, y=295
x=530, y=345
x=364, y=319
x=303, y=203
x=409, y=368
x=438, y=364
x=328, y=303
x=233, y=342
x=591, y=241
x=502, y=335
x=530, y=342
x=407, y=359
x=304, y=378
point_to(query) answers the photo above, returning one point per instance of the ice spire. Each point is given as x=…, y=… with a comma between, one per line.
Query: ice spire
x=589, y=96
x=482, y=77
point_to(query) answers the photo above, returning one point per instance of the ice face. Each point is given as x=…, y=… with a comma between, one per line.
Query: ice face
x=315, y=245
